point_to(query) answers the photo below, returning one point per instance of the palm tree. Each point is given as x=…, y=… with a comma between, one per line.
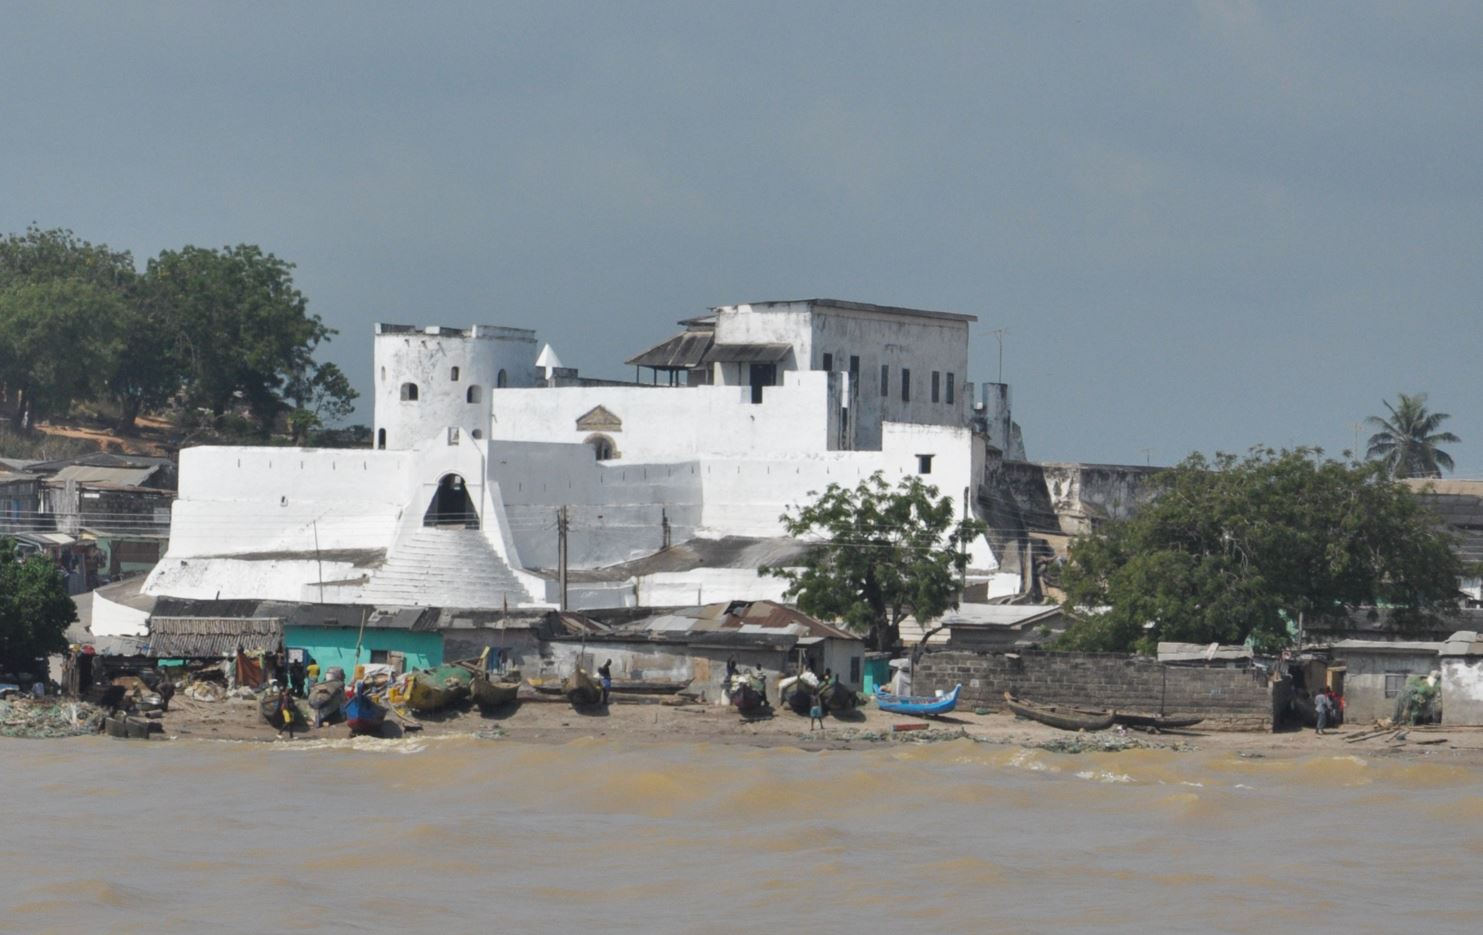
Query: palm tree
x=1407, y=442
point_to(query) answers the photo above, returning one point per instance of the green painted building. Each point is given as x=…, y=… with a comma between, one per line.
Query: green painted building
x=330, y=637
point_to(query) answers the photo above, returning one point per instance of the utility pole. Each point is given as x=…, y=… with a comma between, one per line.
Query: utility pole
x=561, y=527
x=664, y=524
x=318, y=561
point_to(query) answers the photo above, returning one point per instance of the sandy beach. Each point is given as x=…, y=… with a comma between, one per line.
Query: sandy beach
x=558, y=722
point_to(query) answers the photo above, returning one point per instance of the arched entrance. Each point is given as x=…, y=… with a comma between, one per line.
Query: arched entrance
x=451, y=506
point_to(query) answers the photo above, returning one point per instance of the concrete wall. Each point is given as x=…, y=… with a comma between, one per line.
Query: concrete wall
x=1462, y=690
x=1227, y=698
x=1364, y=680
x=335, y=646
x=706, y=667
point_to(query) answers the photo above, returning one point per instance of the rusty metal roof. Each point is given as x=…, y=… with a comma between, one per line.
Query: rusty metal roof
x=212, y=636
x=746, y=353
x=684, y=351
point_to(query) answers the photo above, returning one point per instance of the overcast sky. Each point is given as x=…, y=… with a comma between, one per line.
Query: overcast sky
x=1205, y=226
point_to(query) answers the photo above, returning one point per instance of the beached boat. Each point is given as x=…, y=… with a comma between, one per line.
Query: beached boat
x=748, y=701
x=620, y=687
x=327, y=699
x=797, y=691
x=490, y=692
x=839, y=698
x=920, y=705
x=282, y=711
x=1154, y=721
x=581, y=689
x=437, y=688
x=363, y=713
x=1061, y=716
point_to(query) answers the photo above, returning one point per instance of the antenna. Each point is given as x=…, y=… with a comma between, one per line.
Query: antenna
x=999, y=334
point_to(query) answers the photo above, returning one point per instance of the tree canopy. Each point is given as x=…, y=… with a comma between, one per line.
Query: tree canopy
x=882, y=553
x=1239, y=548
x=216, y=328
x=1408, y=443
x=34, y=607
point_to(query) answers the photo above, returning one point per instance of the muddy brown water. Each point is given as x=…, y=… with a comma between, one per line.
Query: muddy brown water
x=461, y=834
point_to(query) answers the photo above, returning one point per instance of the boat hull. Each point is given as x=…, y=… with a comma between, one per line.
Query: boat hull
x=920, y=705
x=364, y=715
x=581, y=689
x=1059, y=716
x=489, y=693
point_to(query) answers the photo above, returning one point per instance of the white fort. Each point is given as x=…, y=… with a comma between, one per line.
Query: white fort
x=672, y=486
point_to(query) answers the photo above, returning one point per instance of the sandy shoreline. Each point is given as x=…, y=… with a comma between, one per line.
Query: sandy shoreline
x=558, y=722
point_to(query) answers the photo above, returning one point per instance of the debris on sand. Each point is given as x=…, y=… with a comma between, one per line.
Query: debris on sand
x=45, y=717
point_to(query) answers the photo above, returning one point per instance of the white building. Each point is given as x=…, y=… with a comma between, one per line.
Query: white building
x=482, y=440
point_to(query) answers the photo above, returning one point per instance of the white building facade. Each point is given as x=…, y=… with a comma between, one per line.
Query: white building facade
x=481, y=454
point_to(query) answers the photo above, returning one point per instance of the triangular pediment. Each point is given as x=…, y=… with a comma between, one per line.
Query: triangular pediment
x=599, y=419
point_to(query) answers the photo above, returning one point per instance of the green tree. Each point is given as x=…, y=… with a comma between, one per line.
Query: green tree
x=882, y=553
x=1242, y=548
x=242, y=329
x=1407, y=443
x=34, y=607
x=63, y=302
x=321, y=394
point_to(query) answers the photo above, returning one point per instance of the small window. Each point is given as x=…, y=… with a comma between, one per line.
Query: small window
x=1395, y=683
x=854, y=670
x=409, y=392
x=828, y=362
x=905, y=385
x=452, y=435
x=381, y=438
x=474, y=394
x=501, y=378
x=936, y=386
x=854, y=368
x=924, y=464
x=379, y=656
x=950, y=389
x=453, y=374
x=885, y=380
x=477, y=433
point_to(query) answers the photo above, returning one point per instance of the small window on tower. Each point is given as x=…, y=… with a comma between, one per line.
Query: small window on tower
x=924, y=464
x=453, y=374
x=409, y=392
x=936, y=386
x=950, y=389
x=905, y=385
x=885, y=380
x=828, y=362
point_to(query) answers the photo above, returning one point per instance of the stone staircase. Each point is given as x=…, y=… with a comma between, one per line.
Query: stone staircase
x=442, y=567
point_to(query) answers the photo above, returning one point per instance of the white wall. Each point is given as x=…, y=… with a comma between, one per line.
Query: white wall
x=675, y=423
x=426, y=357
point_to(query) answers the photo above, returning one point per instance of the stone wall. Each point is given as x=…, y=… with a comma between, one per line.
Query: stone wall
x=1228, y=699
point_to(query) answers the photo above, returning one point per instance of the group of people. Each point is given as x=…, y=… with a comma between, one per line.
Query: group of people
x=1328, y=709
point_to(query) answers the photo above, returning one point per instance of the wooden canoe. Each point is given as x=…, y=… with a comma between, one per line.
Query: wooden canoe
x=920, y=705
x=838, y=698
x=437, y=688
x=581, y=689
x=1061, y=716
x=1155, y=721
x=491, y=693
x=364, y=714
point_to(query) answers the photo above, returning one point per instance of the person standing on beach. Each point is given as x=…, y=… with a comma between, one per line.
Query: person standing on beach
x=605, y=672
x=1323, y=708
x=816, y=712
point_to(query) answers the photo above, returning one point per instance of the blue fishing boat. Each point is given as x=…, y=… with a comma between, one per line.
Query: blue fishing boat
x=364, y=714
x=920, y=705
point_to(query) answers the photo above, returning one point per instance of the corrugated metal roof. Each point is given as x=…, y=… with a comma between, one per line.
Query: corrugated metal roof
x=212, y=636
x=746, y=353
x=117, y=476
x=684, y=351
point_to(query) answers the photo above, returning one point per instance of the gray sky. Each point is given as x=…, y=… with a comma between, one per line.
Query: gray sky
x=1205, y=225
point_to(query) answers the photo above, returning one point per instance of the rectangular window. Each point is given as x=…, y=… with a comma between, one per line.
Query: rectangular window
x=828, y=362
x=905, y=385
x=1395, y=683
x=885, y=380
x=950, y=389
x=924, y=464
x=855, y=367
x=936, y=386
x=854, y=670
x=378, y=656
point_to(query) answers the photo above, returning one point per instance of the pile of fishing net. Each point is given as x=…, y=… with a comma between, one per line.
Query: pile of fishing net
x=47, y=717
x=1419, y=703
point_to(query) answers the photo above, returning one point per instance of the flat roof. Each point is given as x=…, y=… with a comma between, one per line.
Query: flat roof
x=856, y=307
